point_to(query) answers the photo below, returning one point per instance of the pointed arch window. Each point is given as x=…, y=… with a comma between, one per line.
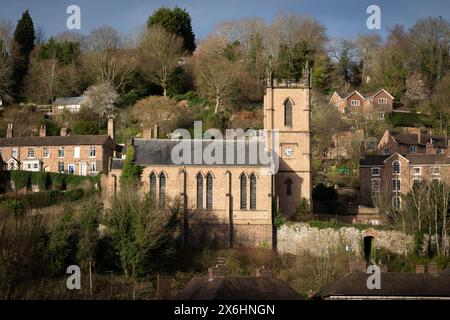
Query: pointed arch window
x=199, y=191
x=253, y=192
x=288, y=187
x=243, y=192
x=209, y=191
x=153, y=179
x=162, y=190
x=396, y=167
x=288, y=113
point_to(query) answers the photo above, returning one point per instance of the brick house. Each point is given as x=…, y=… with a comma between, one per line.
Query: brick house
x=79, y=155
x=376, y=104
x=412, y=141
x=395, y=174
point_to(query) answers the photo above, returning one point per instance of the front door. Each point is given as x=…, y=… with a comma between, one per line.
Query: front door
x=83, y=168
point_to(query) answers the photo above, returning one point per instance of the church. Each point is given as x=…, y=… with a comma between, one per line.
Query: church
x=232, y=203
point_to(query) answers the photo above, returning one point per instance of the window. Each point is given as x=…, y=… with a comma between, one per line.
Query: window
x=416, y=181
x=288, y=113
x=355, y=103
x=199, y=191
x=14, y=153
x=376, y=172
x=288, y=187
x=435, y=171
x=76, y=152
x=396, y=185
x=385, y=150
x=61, y=152
x=153, y=185
x=209, y=191
x=396, y=167
x=46, y=152
x=396, y=202
x=92, y=168
x=440, y=151
x=243, y=192
x=375, y=185
x=253, y=192
x=162, y=190
x=380, y=115
x=412, y=149
x=92, y=151
x=71, y=169
x=30, y=152
x=60, y=166
x=382, y=101
x=417, y=171
x=35, y=166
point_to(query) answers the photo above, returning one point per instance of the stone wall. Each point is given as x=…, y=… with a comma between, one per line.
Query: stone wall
x=300, y=237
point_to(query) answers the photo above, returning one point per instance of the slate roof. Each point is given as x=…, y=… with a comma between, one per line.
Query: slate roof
x=370, y=160
x=237, y=288
x=54, y=141
x=69, y=101
x=159, y=152
x=412, y=139
x=392, y=284
x=116, y=164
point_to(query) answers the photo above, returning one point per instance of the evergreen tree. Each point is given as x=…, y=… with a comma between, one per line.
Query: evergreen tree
x=89, y=236
x=177, y=21
x=131, y=172
x=24, y=37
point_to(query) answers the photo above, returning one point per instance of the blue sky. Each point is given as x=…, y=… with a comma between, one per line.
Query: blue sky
x=343, y=18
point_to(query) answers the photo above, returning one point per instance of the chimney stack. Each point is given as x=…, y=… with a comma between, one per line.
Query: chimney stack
x=147, y=133
x=111, y=128
x=43, y=131
x=420, y=268
x=433, y=268
x=9, y=131
x=156, y=132
x=64, y=132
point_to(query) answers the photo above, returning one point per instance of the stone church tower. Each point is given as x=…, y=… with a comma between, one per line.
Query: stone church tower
x=287, y=110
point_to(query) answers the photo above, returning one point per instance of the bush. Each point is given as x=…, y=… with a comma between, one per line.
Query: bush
x=303, y=211
x=21, y=179
x=40, y=179
x=74, y=195
x=58, y=181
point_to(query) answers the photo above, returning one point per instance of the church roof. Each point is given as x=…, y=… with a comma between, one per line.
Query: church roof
x=159, y=152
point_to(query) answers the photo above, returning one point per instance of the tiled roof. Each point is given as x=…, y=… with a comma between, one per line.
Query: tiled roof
x=378, y=160
x=54, y=141
x=159, y=152
x=237, y=288
x=412, y=139
x=393, y=284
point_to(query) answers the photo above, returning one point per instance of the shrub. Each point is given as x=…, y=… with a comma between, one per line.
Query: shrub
x=303, y=211
x=20, y=178
x=85, y=127
x=58, y=181
x=74, y=195
x=40, y=179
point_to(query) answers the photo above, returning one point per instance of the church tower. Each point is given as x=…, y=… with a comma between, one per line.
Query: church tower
x=287, y=110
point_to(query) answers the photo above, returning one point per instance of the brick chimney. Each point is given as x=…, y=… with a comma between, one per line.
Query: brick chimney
x=164, y=287
x=111, y=128
x=9, y=130
x=358, y=266
x=432, y=267
x=156, y=132
x=43, y=131
x=64, y=132
x=147, y=133
x=420, y=268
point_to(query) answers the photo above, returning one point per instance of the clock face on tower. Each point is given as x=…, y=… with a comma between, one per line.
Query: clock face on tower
x=288, y=151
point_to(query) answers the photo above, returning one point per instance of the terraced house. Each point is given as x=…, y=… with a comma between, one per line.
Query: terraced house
x=80, y=155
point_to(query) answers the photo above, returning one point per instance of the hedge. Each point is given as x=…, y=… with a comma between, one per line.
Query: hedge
x=41, y=199
x=44, y=180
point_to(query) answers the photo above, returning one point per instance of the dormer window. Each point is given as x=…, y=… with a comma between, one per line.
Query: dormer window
x=412, y=149
x=385, y=150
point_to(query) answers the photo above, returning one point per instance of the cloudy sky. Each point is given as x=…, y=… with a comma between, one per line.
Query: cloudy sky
x=341, y=17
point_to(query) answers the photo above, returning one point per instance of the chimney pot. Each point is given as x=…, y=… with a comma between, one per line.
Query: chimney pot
x=43, y=131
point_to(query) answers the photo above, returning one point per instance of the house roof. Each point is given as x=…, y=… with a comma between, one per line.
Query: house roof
x=346, y=95
x=424, y=159
x=54, y=141
x=413, y=139
x=116, y=164
x=159, y=152
x=237, y=288
x=392, y=284
x=64, y=101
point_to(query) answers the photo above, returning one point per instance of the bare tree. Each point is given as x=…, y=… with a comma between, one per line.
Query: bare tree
x=160, y=53
x=366, y=47
x=215, y=74
x=109, y=58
